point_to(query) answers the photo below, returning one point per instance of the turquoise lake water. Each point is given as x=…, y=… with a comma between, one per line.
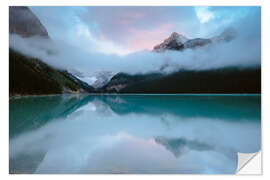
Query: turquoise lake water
x=132, y=133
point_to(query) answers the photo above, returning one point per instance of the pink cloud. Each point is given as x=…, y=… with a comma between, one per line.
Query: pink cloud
x=139, y=28
x=143, y=39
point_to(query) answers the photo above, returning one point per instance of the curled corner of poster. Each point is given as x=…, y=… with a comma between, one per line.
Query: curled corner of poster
x=249, y=164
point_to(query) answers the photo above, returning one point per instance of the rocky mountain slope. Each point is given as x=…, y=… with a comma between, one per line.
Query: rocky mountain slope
x=178, y=41
x=223, y=80
x=220, y=80
x=122, y=80
x=174, y=42
x=24, y=23
x=30, y=76
x=96, y=79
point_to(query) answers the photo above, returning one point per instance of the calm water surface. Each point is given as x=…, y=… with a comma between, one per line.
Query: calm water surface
x=132, y=133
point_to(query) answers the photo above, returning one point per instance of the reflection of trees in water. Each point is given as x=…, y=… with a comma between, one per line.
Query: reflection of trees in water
x=25, y=163
x=29, y=113
x=32, y=112
x=218, y=107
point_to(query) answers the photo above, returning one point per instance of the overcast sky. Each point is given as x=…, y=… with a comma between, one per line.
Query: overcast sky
x=118, y=39
x=122, y=30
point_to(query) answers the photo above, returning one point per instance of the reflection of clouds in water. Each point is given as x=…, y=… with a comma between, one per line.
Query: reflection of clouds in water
x=94, y=140
x=89, y=107
x=178, y=146
x=181, y=146
x=132, y=154
x=123, y=153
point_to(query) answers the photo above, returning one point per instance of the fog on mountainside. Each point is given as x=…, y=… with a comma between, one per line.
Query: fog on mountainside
x=238, y=46
x=144, y=90
x=31, y=76
x=237, y=52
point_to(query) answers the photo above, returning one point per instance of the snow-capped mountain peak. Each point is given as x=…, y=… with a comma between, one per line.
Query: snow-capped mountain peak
x=179, y=42
x=95, y=79
x=175, y=40
x=178, y=37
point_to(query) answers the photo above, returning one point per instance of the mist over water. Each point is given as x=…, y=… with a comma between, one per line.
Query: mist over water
x=132, y=133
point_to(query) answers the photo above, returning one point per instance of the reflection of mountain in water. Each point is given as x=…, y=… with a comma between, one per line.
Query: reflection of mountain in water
x=48, y=131
x=178, y=146
x=187, y=106
x=18, y=165
x=32, y=112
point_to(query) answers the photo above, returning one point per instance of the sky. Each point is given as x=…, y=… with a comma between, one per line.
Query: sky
x=120, y=39
x=123, y=30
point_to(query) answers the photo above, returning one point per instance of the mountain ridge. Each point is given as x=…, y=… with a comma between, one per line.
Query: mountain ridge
x=178, y=42
x=32, y=76
x=229, y=80
x=24, y=22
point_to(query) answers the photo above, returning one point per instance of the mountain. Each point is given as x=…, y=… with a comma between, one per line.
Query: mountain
x=81, y=85
x=96, y=79
x=178, y=42
x=222, y=80
x=102, y=78
x=197, y=42
x=122, y=80
x=30, y=76
x=174, y=42
x=24, y=23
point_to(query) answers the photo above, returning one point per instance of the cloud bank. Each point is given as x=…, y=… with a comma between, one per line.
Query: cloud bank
x=117, y=24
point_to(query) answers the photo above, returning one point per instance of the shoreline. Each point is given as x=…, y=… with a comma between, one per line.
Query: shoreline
x=140, y=94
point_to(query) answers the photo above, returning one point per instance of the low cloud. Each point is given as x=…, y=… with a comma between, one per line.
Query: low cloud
x=243, y=51
x=239, y=52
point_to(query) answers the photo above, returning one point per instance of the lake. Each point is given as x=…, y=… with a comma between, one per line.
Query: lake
x=185, y=134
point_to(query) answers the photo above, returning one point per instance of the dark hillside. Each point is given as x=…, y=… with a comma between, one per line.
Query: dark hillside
x=30, y=76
